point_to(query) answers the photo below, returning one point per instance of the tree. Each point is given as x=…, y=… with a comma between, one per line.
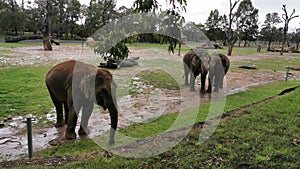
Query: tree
x=73, y=14
x=214, y=26
x=286, y=19
x=171, y=23
x=10, y=17
x=247, y=18
x=100, y=13
x=269, y=28
x=231, y=35
x=47, y=26
x=296, y=38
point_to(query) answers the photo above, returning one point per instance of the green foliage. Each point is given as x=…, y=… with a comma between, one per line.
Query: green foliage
x=215, y=26
x=247, y=21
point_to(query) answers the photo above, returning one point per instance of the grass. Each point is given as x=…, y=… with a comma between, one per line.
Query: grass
x=23, y=91
x=259, y=139
x=158, y=79
x=19, y=44
x=162, y=123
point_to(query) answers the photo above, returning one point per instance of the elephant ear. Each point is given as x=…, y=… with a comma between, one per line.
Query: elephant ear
x=86, y=84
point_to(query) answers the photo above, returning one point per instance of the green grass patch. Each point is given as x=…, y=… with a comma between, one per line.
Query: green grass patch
x=234, y=101
x=19, y=44
x=23, y=91
x=158, y=79
x=261, y=139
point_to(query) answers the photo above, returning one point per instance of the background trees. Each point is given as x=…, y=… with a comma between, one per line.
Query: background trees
x=247, y=22
x=215, y=25
x=72, y=20
x=269, y=30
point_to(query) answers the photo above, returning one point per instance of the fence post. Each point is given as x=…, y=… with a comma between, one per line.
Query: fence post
x=29, y=136
x=287, y=73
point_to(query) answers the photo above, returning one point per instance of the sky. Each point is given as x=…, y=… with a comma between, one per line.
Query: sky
x=199, y=10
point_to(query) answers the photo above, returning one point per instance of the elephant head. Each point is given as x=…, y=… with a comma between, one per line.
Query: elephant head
x=195, y=63
x=218, y=67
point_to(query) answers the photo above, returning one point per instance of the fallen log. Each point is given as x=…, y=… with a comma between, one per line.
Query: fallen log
x=14, y=39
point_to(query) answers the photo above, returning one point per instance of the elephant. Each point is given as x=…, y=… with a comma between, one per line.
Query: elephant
x=218, y=67
x=195, y=63
x=75, y=85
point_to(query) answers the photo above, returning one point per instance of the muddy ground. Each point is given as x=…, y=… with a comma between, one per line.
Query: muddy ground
x=148, y=104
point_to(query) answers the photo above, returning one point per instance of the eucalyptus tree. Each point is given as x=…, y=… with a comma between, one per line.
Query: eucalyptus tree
x=174, y=9
x=100, y=13
x=296, y=38
x=35, y=15
x=269, y=29
x=247, y=19
x=214, y=26
x=72, y=16
x=10, y=17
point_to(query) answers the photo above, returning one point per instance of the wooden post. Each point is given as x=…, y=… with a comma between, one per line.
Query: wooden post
x=29, y=136
x=287, y=73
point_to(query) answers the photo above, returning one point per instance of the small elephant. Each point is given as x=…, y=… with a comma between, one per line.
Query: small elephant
x=77, y=85
x=218, y=67
x=194, y=64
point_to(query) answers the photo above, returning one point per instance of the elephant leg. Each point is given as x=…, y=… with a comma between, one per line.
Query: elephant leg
x=86, y=113
x=72, y=119
x=192, y=82
x=70, y=131
x=66, y=112
x=209, y=85
x=59, y=115
x=58, y=108
x=203, y=79
x=186, y=74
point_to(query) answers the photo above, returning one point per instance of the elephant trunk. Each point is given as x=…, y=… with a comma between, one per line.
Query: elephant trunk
x=113, y=112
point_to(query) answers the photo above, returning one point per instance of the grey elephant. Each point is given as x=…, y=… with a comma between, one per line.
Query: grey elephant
x=75, y=85
x=218, y=67
x=195, y=63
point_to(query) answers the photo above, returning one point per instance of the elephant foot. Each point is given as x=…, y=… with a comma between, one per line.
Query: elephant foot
x=59, y=123
x=82, y=132
x=70, y=135
x=192, y=89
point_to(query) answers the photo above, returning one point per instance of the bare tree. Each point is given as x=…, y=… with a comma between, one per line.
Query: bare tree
x=231, y=36
x=286, y=19
x=47, y=26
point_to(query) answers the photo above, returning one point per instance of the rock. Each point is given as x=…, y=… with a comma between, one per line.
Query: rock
x=127, y=63
x=90, y=41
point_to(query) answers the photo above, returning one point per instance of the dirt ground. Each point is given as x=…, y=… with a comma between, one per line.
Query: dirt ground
x=149, y=104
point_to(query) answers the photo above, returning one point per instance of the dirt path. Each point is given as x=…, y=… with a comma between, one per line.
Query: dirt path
x=133, y=109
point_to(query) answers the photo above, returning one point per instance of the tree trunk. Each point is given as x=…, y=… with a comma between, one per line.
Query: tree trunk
x=47, y=27
x=230, y=48
x=179, y=49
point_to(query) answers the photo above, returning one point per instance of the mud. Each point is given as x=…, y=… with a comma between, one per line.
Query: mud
x=148, y=104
